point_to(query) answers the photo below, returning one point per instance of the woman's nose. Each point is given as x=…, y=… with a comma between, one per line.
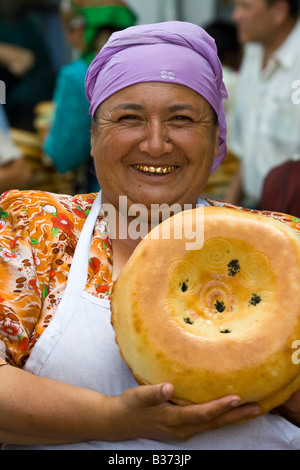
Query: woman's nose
x=156, y=141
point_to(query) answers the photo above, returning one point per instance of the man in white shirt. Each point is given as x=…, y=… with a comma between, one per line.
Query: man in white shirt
x=266, y=124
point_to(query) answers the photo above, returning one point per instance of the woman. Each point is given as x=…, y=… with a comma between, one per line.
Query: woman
x=155, y=138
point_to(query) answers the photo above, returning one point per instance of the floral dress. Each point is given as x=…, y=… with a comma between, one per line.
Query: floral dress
x=39, y=232
x=38, y=236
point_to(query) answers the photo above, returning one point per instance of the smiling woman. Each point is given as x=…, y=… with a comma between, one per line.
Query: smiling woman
x=156, y=97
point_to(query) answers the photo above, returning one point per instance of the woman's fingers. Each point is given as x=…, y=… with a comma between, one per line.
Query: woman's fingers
x=219, y=412
x=150, y=413
x=155, y=395
x=152, y=395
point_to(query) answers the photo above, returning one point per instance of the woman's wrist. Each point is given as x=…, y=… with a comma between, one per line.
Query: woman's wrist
x=36, y=410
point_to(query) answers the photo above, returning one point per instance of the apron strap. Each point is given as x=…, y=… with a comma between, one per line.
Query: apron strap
x=71, y=297
x=79, y=267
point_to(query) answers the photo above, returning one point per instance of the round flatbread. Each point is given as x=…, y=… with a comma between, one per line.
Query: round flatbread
x=209, y=301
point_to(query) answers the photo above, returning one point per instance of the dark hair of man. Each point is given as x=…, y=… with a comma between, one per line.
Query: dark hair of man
x=294, y=6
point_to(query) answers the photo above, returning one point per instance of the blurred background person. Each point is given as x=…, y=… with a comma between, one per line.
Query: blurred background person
x=266, y=123
x=30, y=83
x=229, y=49
x=46, y=16
x=230, y=54
x=14, y=170
x=281, y=189
x=88, y=25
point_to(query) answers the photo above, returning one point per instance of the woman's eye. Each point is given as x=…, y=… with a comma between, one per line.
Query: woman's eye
x=128, y=117
x=182, y=118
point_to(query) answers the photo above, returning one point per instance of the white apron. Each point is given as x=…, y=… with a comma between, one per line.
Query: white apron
x=79, y=348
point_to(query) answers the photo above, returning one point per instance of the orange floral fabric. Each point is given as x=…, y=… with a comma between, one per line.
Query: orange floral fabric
x=288, y=219
x=38, y=236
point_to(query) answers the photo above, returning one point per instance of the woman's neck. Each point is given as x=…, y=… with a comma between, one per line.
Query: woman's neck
x=122, y=250
x=125, y=233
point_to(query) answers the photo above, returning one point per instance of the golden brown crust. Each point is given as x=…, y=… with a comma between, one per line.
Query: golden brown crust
x=217, y=320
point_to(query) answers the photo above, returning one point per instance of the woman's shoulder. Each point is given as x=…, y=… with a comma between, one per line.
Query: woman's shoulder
x=288, y=219
x=28, y=197
x=38, y=206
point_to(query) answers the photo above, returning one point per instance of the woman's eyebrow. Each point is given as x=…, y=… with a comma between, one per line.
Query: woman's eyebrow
x=126, y=106
x=182, y=107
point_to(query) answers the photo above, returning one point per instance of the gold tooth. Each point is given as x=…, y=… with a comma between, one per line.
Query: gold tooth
x=151, y=169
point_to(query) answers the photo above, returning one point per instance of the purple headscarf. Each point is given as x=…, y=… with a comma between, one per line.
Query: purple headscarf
x=171, y=52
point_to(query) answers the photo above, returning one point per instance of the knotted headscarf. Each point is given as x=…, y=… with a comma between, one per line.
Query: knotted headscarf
x=171, y=52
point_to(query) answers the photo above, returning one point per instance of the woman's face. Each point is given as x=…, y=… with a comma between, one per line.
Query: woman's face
x=154, y=143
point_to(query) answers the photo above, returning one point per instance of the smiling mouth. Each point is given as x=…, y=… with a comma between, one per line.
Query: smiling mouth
x=151, y=170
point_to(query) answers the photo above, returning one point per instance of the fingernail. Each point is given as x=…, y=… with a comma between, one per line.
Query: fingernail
x=235, y=403
x=257, y=411
x=166, y=391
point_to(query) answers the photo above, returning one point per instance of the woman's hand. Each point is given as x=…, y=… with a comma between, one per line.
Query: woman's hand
x=145, y=412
